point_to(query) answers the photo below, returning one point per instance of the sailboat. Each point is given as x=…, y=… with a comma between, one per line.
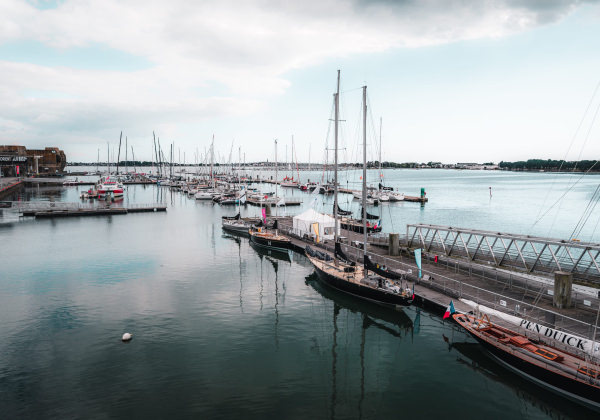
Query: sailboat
x=558, y=370
x=271, y=240
x=338, y=272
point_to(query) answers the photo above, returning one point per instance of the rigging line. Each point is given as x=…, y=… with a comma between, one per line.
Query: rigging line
x=594, y=231
x=350, y=90
x=564, y=194
x=586, y=213
x=571, y=144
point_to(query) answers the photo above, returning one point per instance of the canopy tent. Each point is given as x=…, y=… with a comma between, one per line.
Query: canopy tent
x=314, y=224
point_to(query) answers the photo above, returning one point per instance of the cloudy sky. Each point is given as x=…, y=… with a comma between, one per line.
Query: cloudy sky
x=452, y=80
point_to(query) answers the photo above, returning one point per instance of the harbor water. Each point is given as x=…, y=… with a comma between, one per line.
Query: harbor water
x=223, y=330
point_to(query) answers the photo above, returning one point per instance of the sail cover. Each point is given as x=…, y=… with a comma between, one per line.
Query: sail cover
x=343, y=212
x=339, y=253
x=236, y=217
x=369, y=215
x=381, y=270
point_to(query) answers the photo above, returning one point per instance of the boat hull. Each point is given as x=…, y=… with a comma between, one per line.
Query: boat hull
x=237, y=228
x=561, y=384
x=362, y=292
x=270, y=243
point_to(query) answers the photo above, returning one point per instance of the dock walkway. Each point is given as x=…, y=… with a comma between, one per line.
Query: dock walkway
x=508, y=292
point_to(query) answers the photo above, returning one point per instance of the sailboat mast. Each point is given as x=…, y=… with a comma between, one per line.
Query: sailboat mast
x=212, y=158
x=335, y=176
x=126, y=161
x=119, y=153
x=364, y=177
x=98, y=164
x=108, y=157
x=133, y=158
x=276, y=174
x=380, y=173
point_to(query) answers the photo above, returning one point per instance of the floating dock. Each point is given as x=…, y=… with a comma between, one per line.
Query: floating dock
x=45, y=209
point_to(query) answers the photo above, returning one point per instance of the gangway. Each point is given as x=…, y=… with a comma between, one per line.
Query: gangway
x=521, y=252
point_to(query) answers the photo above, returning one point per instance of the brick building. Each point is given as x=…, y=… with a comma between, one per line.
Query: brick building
x=17, y=160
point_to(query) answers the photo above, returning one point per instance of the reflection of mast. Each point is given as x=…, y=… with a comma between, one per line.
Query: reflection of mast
x=240, y=257
x=261, y=281
x=362, y=365
x=276, y=269
x=336, y=311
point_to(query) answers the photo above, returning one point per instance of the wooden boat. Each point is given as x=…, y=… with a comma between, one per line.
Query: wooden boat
x=555, y=369
x=270, y=240
x=354, y=280
x=356, y=225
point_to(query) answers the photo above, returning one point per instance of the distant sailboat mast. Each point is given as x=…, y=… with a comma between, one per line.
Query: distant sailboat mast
x=335, y=177
x=364, y=181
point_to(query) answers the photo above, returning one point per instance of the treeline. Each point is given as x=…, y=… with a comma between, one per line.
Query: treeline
x=135, y=163
x=375, y=164
x=551, y=165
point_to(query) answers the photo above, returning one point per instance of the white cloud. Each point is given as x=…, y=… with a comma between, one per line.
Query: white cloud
x=245, y=46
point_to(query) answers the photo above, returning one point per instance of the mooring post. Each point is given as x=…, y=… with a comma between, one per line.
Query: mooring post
x=394, y=244
x=563, y=284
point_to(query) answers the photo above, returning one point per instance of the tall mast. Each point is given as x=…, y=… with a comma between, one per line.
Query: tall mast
x=296, y=154
x=212, y=158
x=108, y=156
x=335, y=177
x=380, y=173
x=126, y=162
x=98, y=164
x=119, y=153
x=133, y=158
x=276, y=174
x=364, y=177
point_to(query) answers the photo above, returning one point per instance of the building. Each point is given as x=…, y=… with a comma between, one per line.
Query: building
x=18, y=161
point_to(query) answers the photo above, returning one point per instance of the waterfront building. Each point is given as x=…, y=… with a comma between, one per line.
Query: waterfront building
x=19, y=161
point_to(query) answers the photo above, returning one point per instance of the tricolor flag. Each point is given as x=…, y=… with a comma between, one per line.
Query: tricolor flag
x=449, y=310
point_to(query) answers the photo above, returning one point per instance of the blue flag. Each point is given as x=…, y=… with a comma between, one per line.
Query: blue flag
x=418, y=260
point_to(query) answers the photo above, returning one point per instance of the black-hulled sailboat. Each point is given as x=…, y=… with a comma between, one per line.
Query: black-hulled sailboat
x=338, y=272
x=271, y=240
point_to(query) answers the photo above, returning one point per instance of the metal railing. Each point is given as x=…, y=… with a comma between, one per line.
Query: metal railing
x=497, y=301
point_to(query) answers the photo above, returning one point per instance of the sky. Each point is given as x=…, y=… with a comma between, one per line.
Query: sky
x=448, y=80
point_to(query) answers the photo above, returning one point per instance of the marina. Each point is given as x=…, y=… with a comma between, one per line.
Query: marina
x=448, y=278
x=317, y=210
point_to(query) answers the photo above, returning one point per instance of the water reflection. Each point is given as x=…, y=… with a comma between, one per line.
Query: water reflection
x=373, y=316
x=473, y=356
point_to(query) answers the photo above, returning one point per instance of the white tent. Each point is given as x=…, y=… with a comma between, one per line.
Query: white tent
x=310, y=222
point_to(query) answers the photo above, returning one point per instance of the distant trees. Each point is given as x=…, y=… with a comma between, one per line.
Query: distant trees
x=551, y=165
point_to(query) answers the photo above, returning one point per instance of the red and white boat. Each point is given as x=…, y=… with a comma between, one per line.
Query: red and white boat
x=109, y=186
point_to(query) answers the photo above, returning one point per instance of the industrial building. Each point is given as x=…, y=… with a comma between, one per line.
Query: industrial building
x=19, y=161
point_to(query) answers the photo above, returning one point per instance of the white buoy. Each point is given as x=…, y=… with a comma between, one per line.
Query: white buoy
x=127, y=337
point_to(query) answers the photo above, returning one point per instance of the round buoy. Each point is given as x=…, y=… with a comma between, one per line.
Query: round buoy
x=127, y=337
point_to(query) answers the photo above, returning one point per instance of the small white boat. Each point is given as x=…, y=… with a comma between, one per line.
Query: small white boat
x=110, y=186
x=393, y=196
x=204, y=195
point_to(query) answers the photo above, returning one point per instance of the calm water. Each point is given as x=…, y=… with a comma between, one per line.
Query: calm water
x=222, y=330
